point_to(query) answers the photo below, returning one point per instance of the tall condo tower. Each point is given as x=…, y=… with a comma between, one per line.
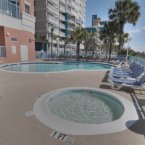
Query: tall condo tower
x=57, y=18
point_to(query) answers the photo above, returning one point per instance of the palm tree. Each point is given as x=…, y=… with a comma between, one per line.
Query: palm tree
x=127, y=38
x=108, y=36
x=78, y=36
x=65, y=40
x=125, y=11
x=88, y=38
x=44, y=41
x=56, y=38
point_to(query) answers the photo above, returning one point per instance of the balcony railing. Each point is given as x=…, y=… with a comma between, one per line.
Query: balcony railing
x=71, y=20
x=62, y=8
x=62, y=34
x=71, y=4
x=9, y=8
x=62, y=17
x=56, y=31
x=62, y=26
x=2, y=51
x=63, y=1
x=54, y=1
x=53, y=20
x=71, y=28
x=53, y=9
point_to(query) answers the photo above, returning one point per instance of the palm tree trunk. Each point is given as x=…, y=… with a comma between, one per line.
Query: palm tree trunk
x=93, y=50
x=51, y=43
x=78, y=50
x=110, y=51
x=64, y=51
x=43, y=45
x=86, y=50
x=107, y=52
x=120, y=36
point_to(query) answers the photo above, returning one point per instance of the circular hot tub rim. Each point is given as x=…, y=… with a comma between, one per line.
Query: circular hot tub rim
x=78, y=88
x=73, y=128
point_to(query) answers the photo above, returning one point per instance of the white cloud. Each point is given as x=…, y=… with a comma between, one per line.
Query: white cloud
x=136, y=30
x=138, y=48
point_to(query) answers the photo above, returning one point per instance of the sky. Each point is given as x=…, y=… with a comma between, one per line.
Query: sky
x=137, y=32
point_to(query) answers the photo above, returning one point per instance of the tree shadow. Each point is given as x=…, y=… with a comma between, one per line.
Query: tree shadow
x=105, y=86
x=135, y=126
x=138, y=126
x=105, y=79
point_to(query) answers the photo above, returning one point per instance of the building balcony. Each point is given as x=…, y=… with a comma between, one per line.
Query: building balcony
x=53, y=9
x=71, y=21
x=70, y=28
x=54, y=1
x=62, y=26
x=70, y=12
x=62, y=1
x=53, y=20
x=28, y=23
x=9, y=9
x=71, y=4
x=73, y=13
x=62, y=17
x=61, y=8
x=56, y=31
x=62, y=34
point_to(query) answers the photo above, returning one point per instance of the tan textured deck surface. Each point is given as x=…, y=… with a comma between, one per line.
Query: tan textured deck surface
x=18, y=92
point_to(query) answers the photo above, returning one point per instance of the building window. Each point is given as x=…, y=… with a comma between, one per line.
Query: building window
x=27, y=9
x=13, y=39
x=2, y=51
x=30, y=40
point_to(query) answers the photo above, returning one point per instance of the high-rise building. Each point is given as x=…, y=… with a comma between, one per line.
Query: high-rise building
x=17, y=28
x=59, y=18
x=98, y=23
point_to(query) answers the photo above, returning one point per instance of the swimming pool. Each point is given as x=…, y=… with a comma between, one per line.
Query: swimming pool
x=85, y=111
x=54, y=67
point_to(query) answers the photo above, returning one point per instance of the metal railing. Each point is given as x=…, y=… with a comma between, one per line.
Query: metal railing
x=61, y=16
x=53, y=20
x=2, y=51
x=54, y=1
x=62, y=34
x=62, y=25
x=9, y=8
x=62, y=1
x=62, y=8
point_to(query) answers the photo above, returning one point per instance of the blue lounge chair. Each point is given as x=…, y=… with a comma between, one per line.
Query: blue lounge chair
x=131, y=69
x=136, y=73
x=126, y=69
x=117, y=84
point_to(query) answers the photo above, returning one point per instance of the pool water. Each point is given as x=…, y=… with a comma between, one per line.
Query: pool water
x=85, y=106
x=55, y=67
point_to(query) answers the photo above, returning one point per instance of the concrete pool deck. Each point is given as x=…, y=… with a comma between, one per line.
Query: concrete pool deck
x=18, y=93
